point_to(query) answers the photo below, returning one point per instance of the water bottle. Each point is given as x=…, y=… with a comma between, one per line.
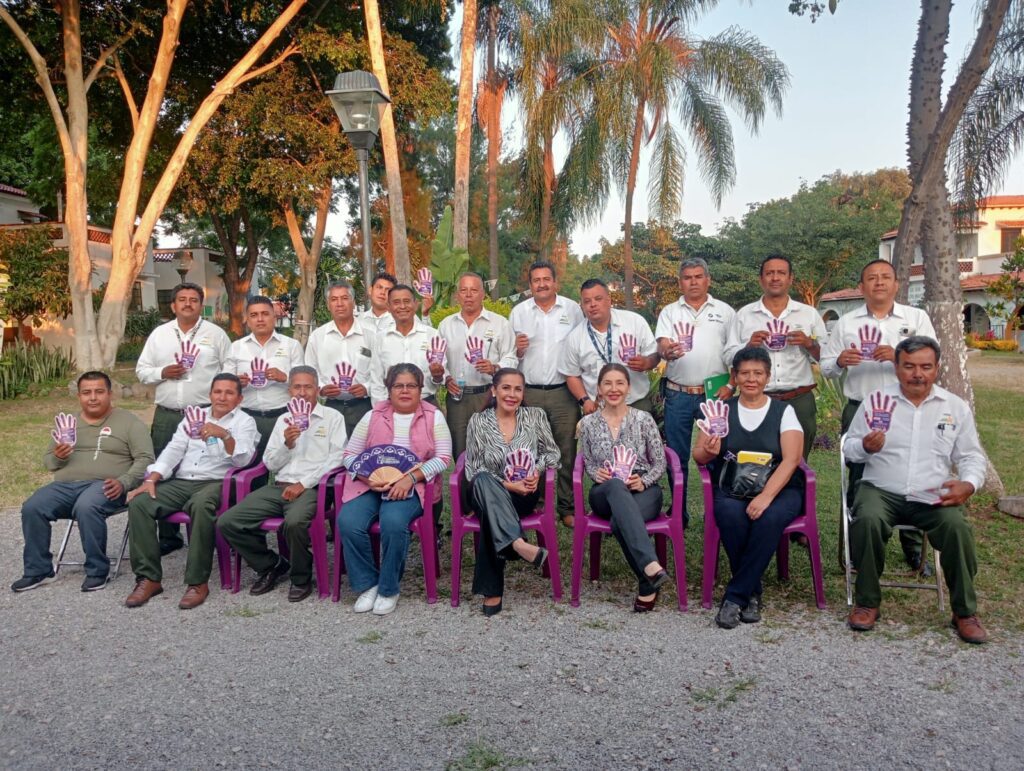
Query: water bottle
x=460, y=381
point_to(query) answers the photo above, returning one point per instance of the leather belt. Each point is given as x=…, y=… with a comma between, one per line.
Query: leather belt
x=475, y=389
x=692, y=390
x=551, y=387
x=344, y=403
x=785, y=396
x=182, y=410
x=265, y=413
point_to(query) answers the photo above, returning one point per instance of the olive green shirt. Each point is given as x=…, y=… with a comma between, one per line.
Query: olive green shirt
x=119, y=447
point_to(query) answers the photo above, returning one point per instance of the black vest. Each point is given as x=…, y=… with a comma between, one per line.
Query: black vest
x=765, y=438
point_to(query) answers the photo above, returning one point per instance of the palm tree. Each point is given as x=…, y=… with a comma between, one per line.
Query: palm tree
x=652, y=68
x=464, y=124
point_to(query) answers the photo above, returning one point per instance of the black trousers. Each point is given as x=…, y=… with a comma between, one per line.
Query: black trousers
x=499, y=512
x=628, y=511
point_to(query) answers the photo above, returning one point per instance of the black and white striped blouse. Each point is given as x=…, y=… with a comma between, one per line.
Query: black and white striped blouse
x=486, y=448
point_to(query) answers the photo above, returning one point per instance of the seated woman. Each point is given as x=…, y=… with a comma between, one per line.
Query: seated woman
x=404, y=420
x=504, y=425
x=630, y=503
x=751, y=526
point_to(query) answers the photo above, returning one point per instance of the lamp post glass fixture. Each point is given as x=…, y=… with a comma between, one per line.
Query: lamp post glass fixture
x=360, y=104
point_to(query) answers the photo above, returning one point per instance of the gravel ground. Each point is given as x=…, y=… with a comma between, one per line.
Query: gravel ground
x=246, y=682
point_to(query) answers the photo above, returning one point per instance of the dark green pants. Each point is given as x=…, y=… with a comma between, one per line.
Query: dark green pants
x=876, y=511
x=240, y=525
x=352, y=410
x=198, y=499
x=563, y=414
x=165, y=423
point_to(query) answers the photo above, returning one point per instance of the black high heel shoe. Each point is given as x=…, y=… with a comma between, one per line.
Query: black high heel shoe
x=541, y=558
x=492, y=610
x=658, y=580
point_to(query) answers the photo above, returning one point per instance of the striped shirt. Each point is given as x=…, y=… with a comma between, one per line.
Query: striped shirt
x=430, y=468
x=487, y=448
x=638, y=431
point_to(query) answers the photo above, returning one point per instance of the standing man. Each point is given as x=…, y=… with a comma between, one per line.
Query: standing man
x=692, y=335
x=262, y=361
x=406, y=339
x=91, y=474
x=376, y=319
x=908, y=479
x=861, y=351
x=339, y=350
x=180, y=358
x=790, y=330
x=541, y=325
x=605, y=336
x=480, y=342
x=226, y=440
x=298, y=457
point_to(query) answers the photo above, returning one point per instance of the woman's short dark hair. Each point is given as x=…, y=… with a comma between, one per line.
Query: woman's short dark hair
x=916, y=343
x=496, y=379
x=752, y=353
x=613, y=366
x=405, y=368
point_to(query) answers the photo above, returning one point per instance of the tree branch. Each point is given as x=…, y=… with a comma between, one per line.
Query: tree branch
x=106, y=53
x=288, y=51
x=133, y=107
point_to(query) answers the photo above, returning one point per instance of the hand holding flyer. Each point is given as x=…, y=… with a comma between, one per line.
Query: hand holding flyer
x=474, y=349
x=195, y=418
x=622, y=462
x=684, y=335
x=258, y=373
x=66, y=428
x=879, y=414
x=519, y=465
x=777, y=331
x=346, y=375
x=300, y=411
x=716, y=418
x=438, y=349
x=189, y=352
x=870, y=338
x=627, y=347
x=424, y=282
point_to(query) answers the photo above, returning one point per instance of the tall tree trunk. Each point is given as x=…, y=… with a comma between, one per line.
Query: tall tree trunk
x=493, y=128
x=627, y=228
x=464, y=127
x=236, y=273
x=547, y=198
x=389, y=146
x=309, y=257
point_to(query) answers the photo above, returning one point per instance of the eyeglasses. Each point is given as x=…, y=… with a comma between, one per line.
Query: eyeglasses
x=405, y=387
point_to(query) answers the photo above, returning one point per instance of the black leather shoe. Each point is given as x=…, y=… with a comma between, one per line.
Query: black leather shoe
x=268, y=580
x=658, y=580
x=168, y=546
x=299, y=593
x=728, y=616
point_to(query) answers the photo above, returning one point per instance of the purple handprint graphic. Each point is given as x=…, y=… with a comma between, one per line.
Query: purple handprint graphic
x=189, y=352
x=424, y=282
x=438, y=349
x=684, y=335
x=870, y=338
x=474, y=349
x=622, y=462
x=195, y=418
x=879, y=416
x=300, y=411
x=258, y=373
x=66, y=428
x=519, y=465
x=716, y=418
x=344, y=377
x=777, y=331
x=627, y=347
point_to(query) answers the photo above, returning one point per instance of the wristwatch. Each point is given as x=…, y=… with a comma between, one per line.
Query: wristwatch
x=583, y=400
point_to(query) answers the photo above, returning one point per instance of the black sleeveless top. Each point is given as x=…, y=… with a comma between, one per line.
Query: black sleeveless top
x=767, y=437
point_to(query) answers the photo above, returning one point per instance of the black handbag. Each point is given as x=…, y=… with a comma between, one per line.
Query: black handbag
x=744, y=480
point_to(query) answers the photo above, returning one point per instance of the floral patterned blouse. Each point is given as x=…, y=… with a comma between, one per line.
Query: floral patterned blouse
x=486, y=447
x=638, y=431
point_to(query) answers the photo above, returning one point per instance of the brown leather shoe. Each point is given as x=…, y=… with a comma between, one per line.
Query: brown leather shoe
x=195, y=596
x=144, y=590
x=569, y=520
x=862, y=619
x=970, y=629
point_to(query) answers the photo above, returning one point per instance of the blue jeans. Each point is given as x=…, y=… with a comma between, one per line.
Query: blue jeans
x=62, y=500
x=354, y=522
x=681, y=410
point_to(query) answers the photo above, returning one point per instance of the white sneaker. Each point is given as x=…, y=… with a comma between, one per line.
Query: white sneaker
x=384, y=605
x=366, y=601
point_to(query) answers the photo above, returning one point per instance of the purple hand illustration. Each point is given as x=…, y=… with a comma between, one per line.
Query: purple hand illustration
x=879, y=416
x=66, y=431
x=258, y=373
x=474, y=349
x=300, y=411
x=346, y=374
x=870, y=338
x=188, y=355
x=627, y=347
x=519, y=465
x=195, y=418
x=684, y=335
x=424, y=282
x=437, y=351
x=777, y=331
x=622, y=462
x=716, y=418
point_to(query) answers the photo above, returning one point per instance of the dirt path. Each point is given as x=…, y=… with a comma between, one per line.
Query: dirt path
x=997, y=371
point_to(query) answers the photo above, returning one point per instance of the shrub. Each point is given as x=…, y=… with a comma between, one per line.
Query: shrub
x=439, y=314
x=30, y=368
x=989, y=344
x=139, y=324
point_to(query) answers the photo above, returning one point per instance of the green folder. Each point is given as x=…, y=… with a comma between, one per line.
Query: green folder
x=712, y=384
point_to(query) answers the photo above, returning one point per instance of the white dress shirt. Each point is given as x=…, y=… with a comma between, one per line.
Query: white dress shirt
x=921, y=446
x=392, y=347
x=791, y=367
x=280, y=352
x=868, y=376
x=158, y=352
x=582, y=358
x=317, y=450
x=499, y=344
x=547, y=331
x=711, y=324
x=197, y=459
x=327, y=347
x=377, y=325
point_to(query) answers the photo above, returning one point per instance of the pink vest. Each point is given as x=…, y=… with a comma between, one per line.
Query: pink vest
x=382, y=431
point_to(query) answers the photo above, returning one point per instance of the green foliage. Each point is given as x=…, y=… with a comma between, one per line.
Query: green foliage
x=139, y=324
x=37, y=282
x=446, y=262
x=1009, y=287
x=440, y=312
x=31, y=368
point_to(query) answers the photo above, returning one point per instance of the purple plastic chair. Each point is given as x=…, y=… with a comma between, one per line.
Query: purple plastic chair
x=806, y=524
x=422, y=526
x=317, y=527
x=543, y=521
x=669, y=526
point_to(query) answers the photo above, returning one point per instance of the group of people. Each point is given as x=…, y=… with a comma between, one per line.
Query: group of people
x=524, y=394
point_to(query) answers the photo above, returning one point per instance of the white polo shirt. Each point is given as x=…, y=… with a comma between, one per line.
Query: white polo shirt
x=586, y=351
x=547, y=331
x=280, y=352
x=328, y=347
x=791, y=367
x=710, y=335
x=499, y=344
x=158, y=352
x=860, y=380
x=392, y=347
